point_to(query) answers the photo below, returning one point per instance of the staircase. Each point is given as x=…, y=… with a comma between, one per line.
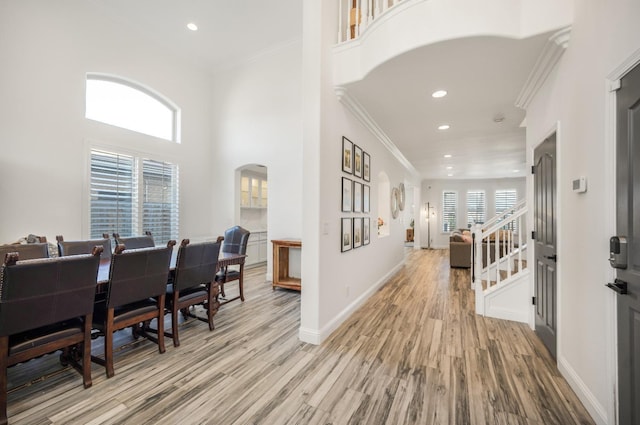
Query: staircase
x=499, y=273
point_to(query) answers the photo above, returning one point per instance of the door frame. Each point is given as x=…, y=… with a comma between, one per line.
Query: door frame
x=612, y=82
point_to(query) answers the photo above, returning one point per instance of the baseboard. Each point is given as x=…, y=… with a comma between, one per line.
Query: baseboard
x=313, y=336
x=596, y=410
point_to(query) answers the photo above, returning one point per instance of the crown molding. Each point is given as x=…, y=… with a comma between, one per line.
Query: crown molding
x=551, y=54
x=363, y=116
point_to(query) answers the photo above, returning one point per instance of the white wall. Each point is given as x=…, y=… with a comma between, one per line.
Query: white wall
x=257, y=120
x=574, y=100
x=432, y=193
x=334, y=283
x=47, y=48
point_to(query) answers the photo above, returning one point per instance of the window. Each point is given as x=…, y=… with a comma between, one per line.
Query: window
x=506, y=199
x=125, y=104
x=449, y=210
x=129, y=202
x=476, y=207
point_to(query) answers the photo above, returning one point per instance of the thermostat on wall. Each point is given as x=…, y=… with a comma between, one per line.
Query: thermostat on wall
x=580, y=185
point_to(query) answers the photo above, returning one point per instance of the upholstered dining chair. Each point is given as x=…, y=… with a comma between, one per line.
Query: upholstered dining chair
x=135, y=295
x=193, y=284
x=46, y=305
x=135, y=242
x=84, y=246
x=28, y=251
x=235, y=242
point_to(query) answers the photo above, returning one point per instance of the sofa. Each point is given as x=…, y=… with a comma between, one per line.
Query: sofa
x=460, y=248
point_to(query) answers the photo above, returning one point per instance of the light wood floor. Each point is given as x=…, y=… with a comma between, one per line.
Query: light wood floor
x=414, y=354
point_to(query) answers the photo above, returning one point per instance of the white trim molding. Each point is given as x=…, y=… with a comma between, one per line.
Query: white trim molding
x=363, y=116
x=551, y=54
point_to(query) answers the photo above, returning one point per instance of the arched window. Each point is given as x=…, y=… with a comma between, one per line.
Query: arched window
x=126, y=104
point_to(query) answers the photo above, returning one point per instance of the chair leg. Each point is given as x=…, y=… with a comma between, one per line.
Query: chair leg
x=161, y=347
x=108, y=344
x=174, y=321
x=86, y=352
x=4, y=353
x=210, y=312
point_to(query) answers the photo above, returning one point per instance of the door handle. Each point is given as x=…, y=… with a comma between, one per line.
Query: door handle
x=620, y=286
x=553, y=257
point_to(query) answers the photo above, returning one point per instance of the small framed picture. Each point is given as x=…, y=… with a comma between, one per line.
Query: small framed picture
x=366, y=203
x=357, y=232
x=366, y=230
x=366, y=167
x=357, y=196
x=345, y=243
x=347, y=196
x=357, y=161
x=347, y=155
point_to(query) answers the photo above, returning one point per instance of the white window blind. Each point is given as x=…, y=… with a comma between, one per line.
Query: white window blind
x=506, y=199
x=128, y=202
x=476, y=207
x=449, y=210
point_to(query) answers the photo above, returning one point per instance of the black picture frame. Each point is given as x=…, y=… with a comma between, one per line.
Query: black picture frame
x=357, y=161
x=366, y=231
x=366, y=167
x=347, y=155
x=357, y=232
x=346, y=242
x=347, y=195
x=357, y=197
x=366, y=198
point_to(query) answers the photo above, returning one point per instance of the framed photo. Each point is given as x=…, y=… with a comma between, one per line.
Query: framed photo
x=366, y=167
x=357, y=232
x=347, y=196
x=347, y=155
x=345, y=243
x=357, y=161
x=357, y=197
x=366, y=203
x=366, y=230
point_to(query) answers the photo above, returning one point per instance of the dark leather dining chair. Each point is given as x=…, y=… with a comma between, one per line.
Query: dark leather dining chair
x=46, y=305
x=84, y=246
x=193, y=283
x=235, y=242
x=135, y=242
x=135, y=294
x=28, y=251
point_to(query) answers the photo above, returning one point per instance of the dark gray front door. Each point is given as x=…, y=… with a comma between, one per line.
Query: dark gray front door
x=628, y=224
x=545, y=241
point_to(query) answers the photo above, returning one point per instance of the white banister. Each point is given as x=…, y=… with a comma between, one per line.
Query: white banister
x=340, y=13
x=360, y=14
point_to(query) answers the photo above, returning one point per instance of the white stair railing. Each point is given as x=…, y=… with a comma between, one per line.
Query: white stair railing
x=354, y=16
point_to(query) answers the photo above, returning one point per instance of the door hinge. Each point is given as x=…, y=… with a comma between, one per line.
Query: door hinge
x=533, y=235
x=533, y=300
x=533, y=169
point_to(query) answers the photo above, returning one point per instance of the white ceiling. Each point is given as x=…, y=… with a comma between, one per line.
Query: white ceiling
x=483, y=76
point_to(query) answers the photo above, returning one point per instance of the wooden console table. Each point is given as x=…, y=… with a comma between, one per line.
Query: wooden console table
x=281, y=276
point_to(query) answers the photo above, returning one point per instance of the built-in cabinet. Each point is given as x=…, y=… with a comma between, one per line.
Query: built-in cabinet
x=253, y=191
x=256, y=248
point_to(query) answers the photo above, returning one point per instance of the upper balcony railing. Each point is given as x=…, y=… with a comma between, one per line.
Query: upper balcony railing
x=355, y=15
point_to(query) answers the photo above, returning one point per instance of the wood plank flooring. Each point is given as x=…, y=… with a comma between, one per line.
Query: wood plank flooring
x=415, y=353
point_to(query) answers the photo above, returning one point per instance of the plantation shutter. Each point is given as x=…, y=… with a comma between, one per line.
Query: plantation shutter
x=506, y=199
x=449, y=210
x=113, y=205
x=160, y=200
x=476, y=207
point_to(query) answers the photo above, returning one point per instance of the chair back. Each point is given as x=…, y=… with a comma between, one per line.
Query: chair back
x=135, y=242
x=66, y=248
x=27, y=251
x=235, y=240
x=196, y=264
x=138, y=274
x=35, y=293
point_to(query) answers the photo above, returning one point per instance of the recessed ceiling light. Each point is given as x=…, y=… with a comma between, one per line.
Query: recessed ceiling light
x=444, y=127
x=447, y=155
x=439, y=93
x=449, y=167
x=450, y=175
x=516, y=171
x=192, y=26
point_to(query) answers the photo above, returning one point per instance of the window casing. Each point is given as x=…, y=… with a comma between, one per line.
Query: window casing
x=131, y=195
x=126, y=104
x=449, y=211
x=476, y=207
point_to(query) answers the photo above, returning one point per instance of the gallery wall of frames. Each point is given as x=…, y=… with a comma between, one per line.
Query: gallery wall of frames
x=356, y=196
